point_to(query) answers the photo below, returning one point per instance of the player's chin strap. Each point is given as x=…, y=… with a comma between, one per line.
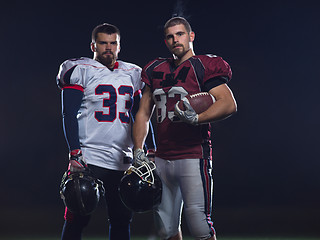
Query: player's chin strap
x=144, y=171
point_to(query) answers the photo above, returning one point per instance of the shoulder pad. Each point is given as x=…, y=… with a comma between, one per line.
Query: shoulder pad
x=128, y=66
x=68, y=67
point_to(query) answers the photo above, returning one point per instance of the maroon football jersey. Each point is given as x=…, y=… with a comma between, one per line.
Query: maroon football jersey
x=169, y=84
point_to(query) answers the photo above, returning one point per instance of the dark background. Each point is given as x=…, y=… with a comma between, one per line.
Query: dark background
x=266, y=156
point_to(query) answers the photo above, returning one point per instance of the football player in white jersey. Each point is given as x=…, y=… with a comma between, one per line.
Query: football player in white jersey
x=183, y=155
x=97, y=99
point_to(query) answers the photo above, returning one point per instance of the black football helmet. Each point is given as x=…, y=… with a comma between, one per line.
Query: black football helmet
x=141, y=188
x=81, y=192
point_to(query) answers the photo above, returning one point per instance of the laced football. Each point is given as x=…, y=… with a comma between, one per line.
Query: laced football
x=200, y=102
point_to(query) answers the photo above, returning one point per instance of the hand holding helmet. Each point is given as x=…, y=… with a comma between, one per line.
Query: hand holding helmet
x=139, y=157
x=76, y=161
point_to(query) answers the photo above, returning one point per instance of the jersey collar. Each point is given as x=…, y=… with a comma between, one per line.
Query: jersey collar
x=116, y=65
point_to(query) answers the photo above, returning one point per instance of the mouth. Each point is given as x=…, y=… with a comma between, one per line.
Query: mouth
x=108, y=53
x=177, y=46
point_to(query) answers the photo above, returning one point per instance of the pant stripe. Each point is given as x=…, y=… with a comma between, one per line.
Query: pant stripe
x=207, y=181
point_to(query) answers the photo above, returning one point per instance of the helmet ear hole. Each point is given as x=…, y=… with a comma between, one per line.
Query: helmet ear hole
x=81, y=192
x=138, y=192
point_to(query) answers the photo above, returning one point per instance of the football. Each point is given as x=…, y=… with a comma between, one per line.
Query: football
x=200, y=102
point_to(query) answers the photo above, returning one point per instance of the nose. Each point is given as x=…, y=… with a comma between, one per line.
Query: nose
x=175, y=38
x=108, y=46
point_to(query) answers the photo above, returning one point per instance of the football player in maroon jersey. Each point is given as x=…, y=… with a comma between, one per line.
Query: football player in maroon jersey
x=183, y=155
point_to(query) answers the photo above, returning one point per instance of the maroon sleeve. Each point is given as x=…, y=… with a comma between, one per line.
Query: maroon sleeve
x=146, y=73
x=144, y=77
x=215, y=67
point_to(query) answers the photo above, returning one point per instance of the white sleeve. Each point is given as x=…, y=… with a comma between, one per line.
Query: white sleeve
x=138, y=84
x=71, y=72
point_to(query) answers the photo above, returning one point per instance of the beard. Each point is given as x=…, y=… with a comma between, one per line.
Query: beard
x=180, y=52
x=106, y=59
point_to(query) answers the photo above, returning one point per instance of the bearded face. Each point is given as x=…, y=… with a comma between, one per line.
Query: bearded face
x=179, y=41
x=106, y=48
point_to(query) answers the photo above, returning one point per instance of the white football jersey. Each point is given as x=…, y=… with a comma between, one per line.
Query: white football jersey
x=104, y=121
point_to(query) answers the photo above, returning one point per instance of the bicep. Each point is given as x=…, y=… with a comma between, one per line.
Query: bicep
x=225, y=104
x=222, y=92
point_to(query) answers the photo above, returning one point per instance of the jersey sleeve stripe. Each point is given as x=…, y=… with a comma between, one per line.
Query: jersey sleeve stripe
x=198, y=69
x=76, y=87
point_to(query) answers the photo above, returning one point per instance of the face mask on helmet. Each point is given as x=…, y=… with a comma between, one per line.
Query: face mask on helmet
x=81, y=192
x=141, y=188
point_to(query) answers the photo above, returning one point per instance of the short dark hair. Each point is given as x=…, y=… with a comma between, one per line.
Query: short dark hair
x=104, y=28
x=176, y=21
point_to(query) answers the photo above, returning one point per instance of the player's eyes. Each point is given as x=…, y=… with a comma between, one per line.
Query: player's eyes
x=169, y=37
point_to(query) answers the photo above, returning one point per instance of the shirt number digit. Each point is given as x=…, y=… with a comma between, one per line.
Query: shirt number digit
x=165, y=102
x=110, y=103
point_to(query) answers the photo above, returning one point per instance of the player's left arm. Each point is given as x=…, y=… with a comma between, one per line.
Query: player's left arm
x=224, y=106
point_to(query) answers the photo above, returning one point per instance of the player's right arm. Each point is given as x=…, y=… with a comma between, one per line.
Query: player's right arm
x=141, y=123
x=69, y=80
x=71, y=101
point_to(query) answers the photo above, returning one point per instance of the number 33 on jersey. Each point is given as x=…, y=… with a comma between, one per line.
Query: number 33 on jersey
x=109, y=93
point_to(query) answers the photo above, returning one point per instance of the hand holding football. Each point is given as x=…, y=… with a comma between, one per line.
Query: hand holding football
x=200, y=102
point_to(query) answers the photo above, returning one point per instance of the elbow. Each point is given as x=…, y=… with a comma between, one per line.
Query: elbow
x=234, y=107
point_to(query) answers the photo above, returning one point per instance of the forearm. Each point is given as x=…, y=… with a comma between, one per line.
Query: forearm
x=224, y=106
x=141, y=123
x=218, y=111
x=140, y=130
x=149, y=141
x=70, y=128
